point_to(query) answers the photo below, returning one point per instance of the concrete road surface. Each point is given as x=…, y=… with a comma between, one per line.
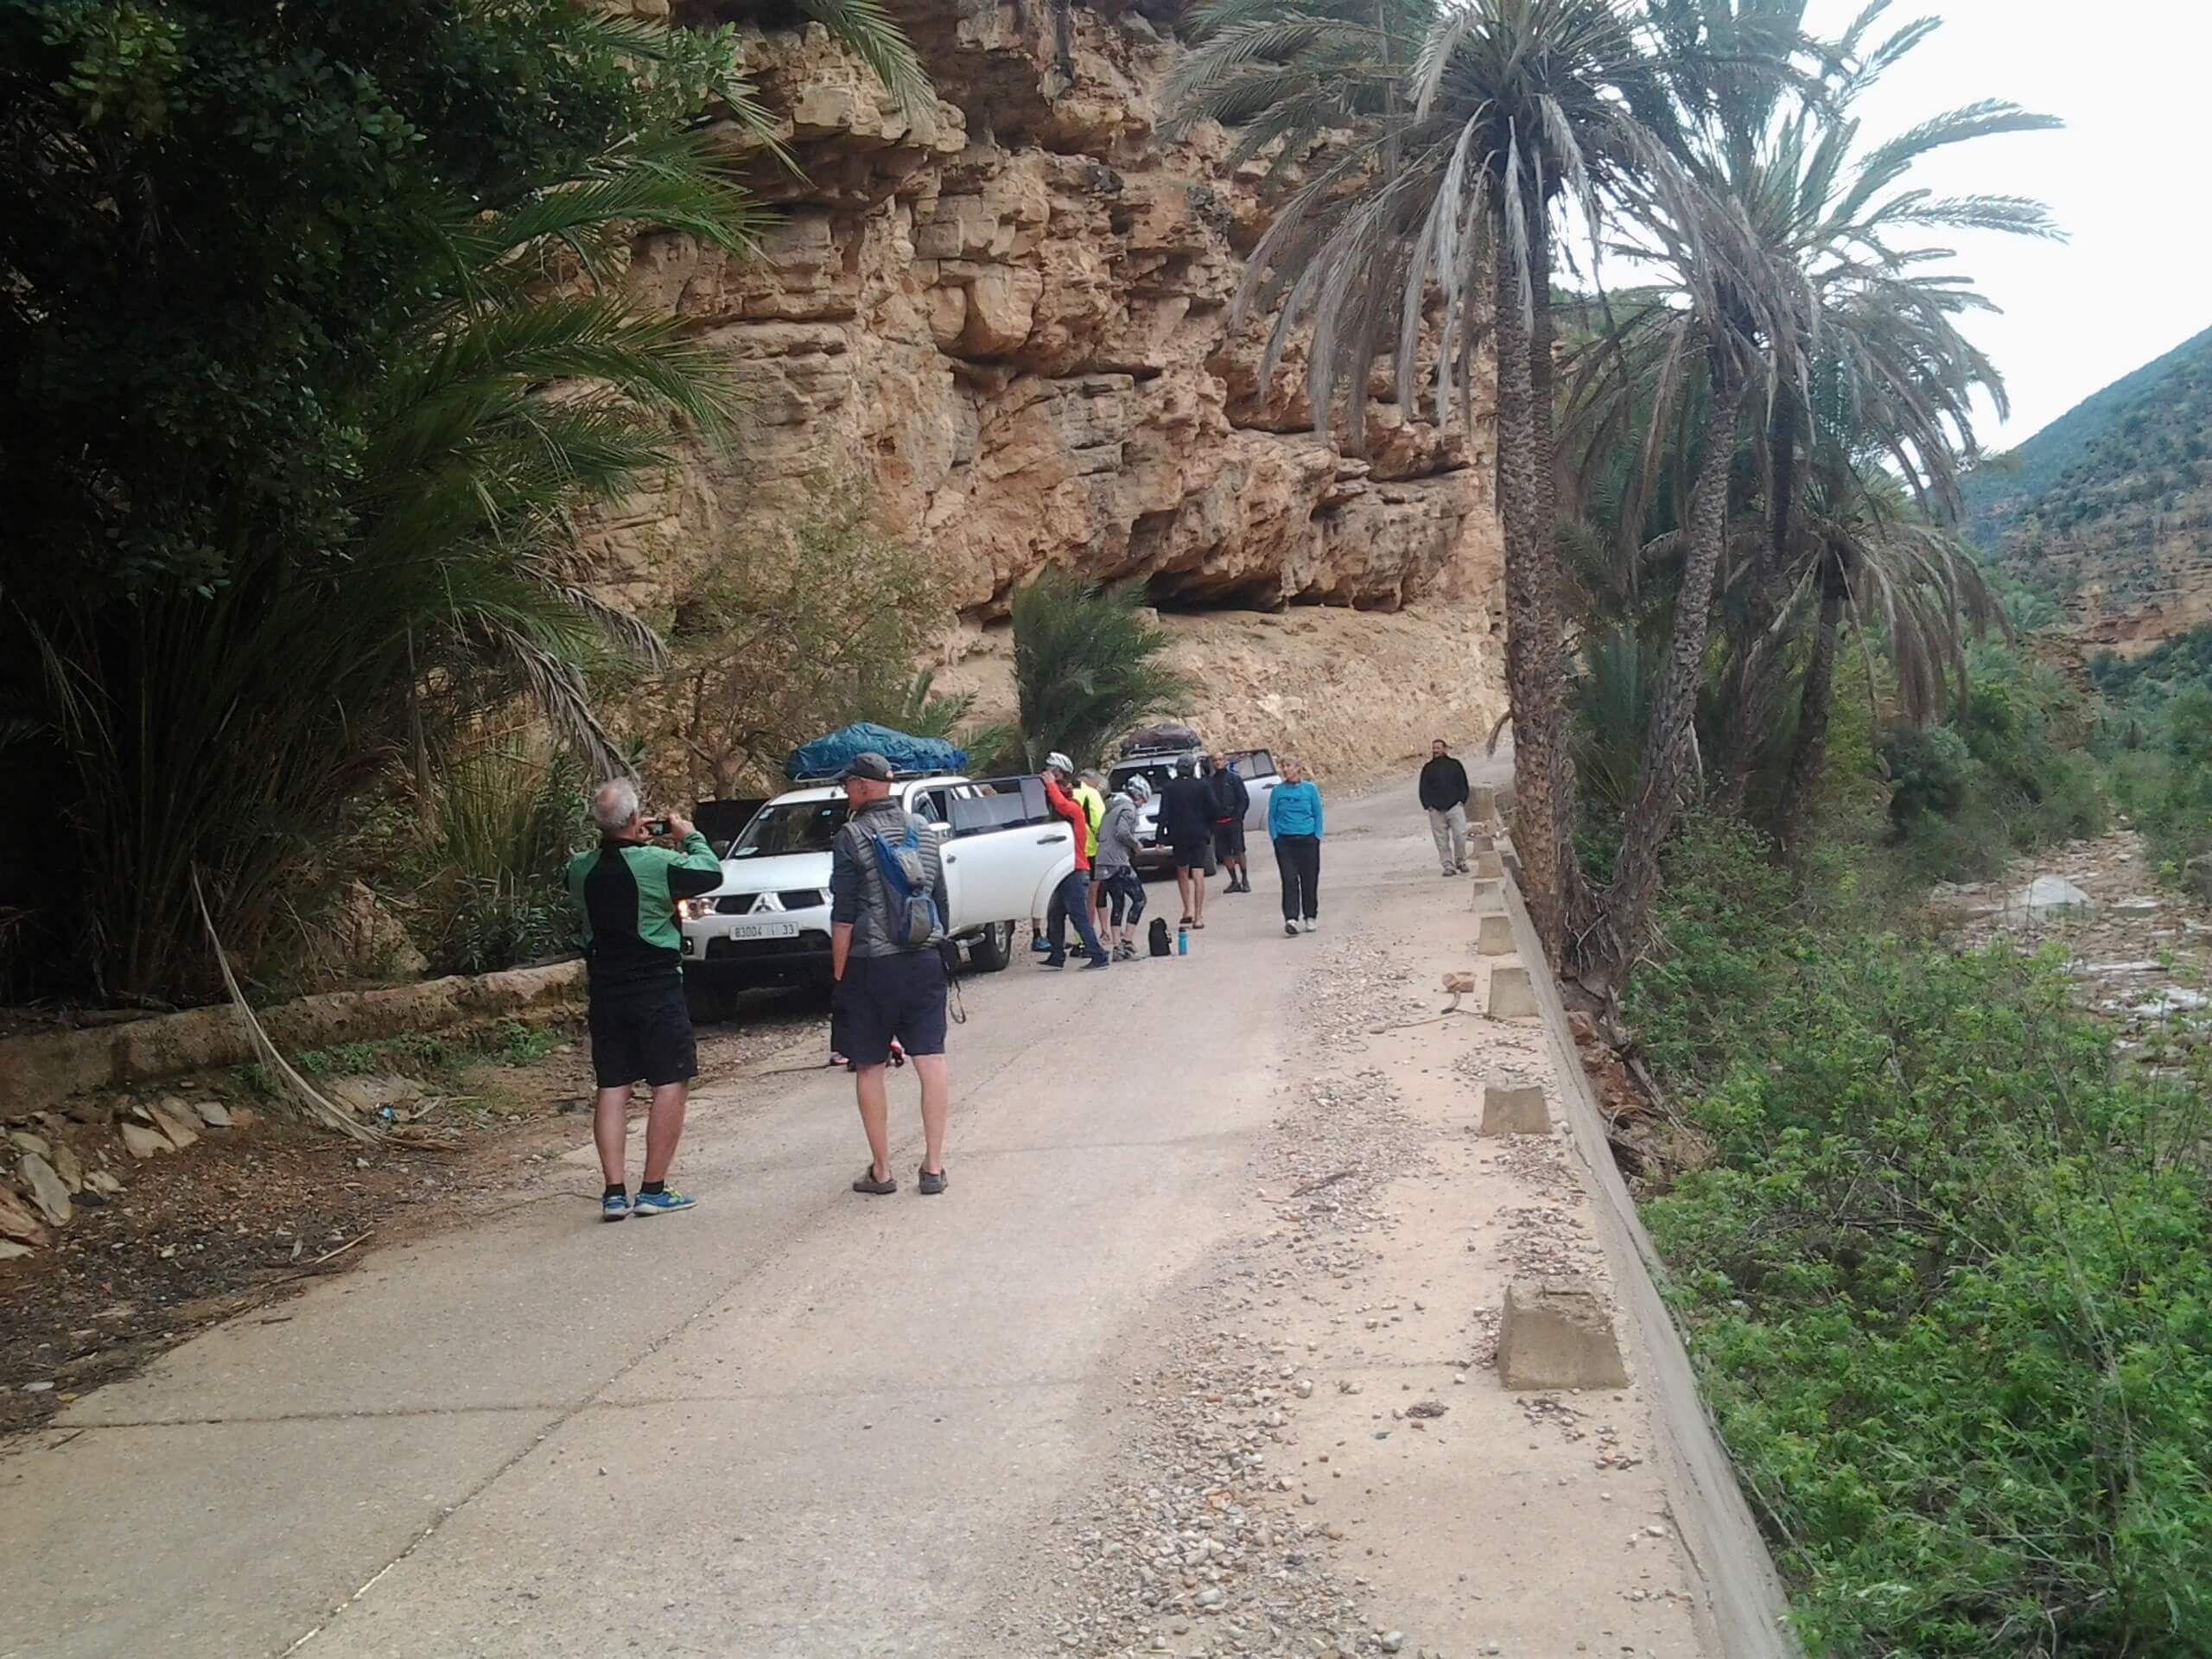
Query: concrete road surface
x=791, y=1421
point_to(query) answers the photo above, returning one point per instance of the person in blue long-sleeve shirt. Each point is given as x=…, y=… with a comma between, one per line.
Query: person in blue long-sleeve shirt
x=1294, y=827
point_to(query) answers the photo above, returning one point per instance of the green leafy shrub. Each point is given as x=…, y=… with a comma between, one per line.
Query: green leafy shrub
x=1947, y=1281
x=489, y=896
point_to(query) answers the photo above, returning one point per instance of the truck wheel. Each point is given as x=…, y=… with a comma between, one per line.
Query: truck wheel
x=992, y=949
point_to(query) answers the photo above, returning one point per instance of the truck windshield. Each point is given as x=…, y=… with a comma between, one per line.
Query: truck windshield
x=791, y=827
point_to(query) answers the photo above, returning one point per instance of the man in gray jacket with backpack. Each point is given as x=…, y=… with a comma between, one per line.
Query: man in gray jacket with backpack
x=887, y=907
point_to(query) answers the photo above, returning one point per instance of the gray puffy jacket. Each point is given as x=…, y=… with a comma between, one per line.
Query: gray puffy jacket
x=1117, y=835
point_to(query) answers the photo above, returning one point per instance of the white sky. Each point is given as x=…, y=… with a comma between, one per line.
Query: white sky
x=2127, y=178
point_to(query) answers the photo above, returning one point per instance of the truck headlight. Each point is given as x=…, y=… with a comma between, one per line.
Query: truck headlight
x=690, y=910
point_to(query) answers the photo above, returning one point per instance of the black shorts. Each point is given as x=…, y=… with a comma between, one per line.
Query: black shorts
x=1229, y=839
x=883, y=997
x=644, y=1036
x=1191, y=854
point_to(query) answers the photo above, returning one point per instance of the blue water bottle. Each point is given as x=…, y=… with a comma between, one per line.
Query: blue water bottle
x=1182, y=940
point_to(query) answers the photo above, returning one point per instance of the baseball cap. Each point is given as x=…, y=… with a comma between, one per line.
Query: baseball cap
x=868, y=763
x=1057, y=762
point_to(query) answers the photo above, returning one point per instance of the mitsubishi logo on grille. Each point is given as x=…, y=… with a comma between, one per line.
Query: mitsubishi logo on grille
x=767, y=901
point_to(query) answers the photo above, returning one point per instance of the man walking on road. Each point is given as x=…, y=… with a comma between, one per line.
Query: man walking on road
x=1187, y=825
x=1231, y=800
x=1444, y=797
x=1294, y=826
x=626, y=890
x=887, y=907
x=1072, y=899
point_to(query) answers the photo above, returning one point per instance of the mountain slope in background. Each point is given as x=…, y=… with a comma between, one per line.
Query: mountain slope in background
x=2109, y=508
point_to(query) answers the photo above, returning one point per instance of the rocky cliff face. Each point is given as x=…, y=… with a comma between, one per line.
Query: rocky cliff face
x=2109, y=508
x=1011, y=316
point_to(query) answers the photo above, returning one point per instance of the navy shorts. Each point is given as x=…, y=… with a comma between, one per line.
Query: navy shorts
x=883, y=997
x=1229, y=840
x=646, y=1036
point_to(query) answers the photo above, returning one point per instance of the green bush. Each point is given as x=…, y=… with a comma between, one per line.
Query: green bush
x=490, y=896
x=1945, y=1281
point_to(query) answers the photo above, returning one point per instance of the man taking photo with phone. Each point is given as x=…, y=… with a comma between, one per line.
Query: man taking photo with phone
x=626, y=890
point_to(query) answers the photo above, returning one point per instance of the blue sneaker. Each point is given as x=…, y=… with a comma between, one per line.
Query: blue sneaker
x=1039, y=943
x=613, y=1206
x=659, y=1204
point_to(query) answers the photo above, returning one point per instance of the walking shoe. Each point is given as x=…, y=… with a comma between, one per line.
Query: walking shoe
x=1463, y=870
x=1059, y=961
x=1039, y=944
x=1448, y=874
x=931, y=1182
x=661, y=1203
x=613, y=1206
x=1310, y=924
x=1100, y=961
x=1290, y=929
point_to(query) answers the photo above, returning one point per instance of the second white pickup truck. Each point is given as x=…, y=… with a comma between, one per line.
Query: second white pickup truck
x=769, y=921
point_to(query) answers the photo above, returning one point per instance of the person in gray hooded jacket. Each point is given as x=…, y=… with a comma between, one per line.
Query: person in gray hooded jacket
x=1115, y=872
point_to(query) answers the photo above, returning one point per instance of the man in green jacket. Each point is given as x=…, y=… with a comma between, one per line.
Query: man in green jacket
x=626, y=890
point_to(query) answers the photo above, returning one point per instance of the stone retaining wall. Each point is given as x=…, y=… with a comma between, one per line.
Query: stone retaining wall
x=37, y=1071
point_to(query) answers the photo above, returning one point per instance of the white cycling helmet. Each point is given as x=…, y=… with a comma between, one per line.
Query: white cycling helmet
x=1057, y=762
x=1138, y=789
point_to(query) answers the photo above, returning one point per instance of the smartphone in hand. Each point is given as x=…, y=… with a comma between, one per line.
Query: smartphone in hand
x=657, y=826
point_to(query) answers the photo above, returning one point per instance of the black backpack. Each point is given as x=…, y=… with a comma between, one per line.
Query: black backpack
x=1160, y=947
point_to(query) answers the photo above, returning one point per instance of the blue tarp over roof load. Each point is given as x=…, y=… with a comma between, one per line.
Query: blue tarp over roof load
x=829, y=755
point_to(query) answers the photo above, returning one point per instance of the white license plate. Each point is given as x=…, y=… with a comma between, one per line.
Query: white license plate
x=765, y=930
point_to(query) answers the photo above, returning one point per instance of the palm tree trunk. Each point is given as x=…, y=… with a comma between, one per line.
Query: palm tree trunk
x=1543, y=414
x=1751, y=681
x=1809, y=750
x=1534, y=676
x=1656, y=799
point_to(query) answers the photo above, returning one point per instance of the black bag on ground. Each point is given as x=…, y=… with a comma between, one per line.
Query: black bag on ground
x=1160, y=947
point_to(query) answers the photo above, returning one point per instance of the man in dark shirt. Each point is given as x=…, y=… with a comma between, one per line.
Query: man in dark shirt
x=626, y=890
x=1231, y=800
x=1444, y=797
x=1187, y=825
x=891, y=983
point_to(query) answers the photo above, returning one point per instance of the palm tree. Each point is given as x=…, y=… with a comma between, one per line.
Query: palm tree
x=227, y=730
x=1437, y=218
x=1086, y=665
x=1867, y=550
x=1882, y=367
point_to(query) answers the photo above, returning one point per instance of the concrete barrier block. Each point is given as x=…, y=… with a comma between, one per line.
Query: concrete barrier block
x=1490, y=895
x=1481, y=841
x=1514, y=1111
x=1489, y=867
x=1512, y=996
x=1558, y=1333
x=1494, y=934
x=1482, y=804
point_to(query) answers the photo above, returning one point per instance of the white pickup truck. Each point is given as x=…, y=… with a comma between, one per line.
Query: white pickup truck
x=769, y=921
x=1256, y=766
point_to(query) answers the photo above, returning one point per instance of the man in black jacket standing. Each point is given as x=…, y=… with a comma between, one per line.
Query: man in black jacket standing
x=1231, y=801
x=1186, y=826
x=1444, y=797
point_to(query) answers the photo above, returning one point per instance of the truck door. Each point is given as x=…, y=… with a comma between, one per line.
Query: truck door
x=1257, y=768
x=1003, y=842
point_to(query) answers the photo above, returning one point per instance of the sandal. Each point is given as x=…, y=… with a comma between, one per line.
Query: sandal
x=1185, y=922
x=932, y=1183
x=866, y=1182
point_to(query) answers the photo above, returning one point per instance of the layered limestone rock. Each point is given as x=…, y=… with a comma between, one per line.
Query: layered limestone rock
x=1009, y=316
